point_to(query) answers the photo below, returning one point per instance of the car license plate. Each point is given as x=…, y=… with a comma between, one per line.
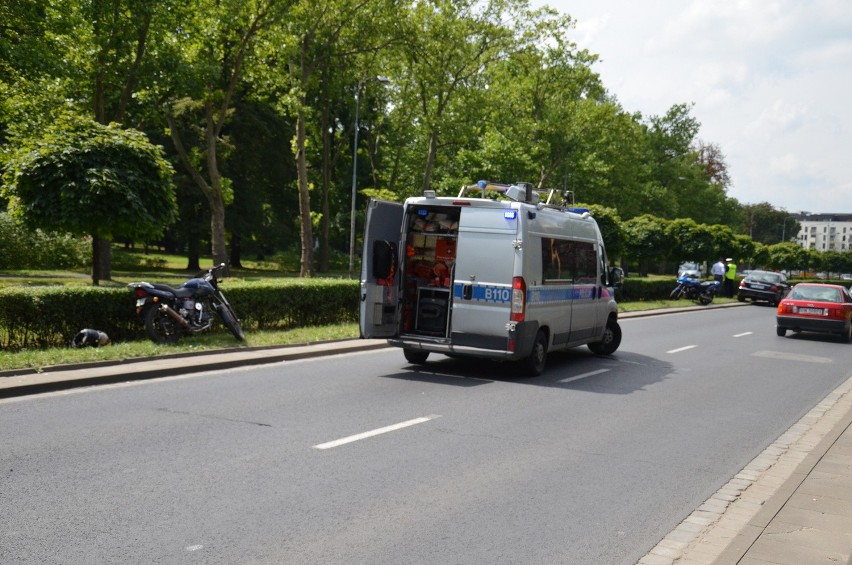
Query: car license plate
x=810, y=311
x=758, y=286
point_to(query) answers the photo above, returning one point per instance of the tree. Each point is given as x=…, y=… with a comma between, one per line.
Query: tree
x=787, y=256
x=645, y=238
x=83, y=177
x=691, y=241
x=219, y=37
x=768, y=225
x=612, y=230
x=448, y=44
x=316, y=38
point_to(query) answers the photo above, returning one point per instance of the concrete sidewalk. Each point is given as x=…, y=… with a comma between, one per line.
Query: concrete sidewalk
x=791, y=505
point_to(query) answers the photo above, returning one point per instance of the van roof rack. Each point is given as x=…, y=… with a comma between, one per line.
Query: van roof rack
x=525, y=192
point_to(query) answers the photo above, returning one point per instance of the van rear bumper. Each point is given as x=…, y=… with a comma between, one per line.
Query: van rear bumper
x=515, y=345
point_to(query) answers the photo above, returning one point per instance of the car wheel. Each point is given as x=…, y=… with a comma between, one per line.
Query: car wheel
x=611, y=339
x=846, y=336
x=780, y=332
x=415, y=356
x=534, y=364
x=740, y=298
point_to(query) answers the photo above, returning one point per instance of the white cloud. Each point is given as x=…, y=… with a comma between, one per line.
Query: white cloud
x=770, y=81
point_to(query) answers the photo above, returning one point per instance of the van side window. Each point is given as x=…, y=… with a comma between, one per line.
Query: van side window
x=565, y=261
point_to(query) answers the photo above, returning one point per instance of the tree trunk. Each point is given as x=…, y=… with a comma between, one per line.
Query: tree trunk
x=236, y=252
x=307, y=236
x=325, y=124
x=430, y=159
x=214, y=195
x=101, y=260
x=193, y=254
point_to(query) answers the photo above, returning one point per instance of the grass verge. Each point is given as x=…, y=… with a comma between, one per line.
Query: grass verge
x=37, y=359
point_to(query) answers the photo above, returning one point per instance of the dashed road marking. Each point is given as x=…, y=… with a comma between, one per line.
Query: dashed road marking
x=781, y=356
x=743, y=334
x=584, y=375
x=376, y=432
x=679, y=349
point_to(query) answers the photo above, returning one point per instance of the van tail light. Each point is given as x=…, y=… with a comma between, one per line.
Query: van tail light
x=519, y=299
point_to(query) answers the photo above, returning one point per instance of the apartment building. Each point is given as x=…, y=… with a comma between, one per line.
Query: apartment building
x=825, y=232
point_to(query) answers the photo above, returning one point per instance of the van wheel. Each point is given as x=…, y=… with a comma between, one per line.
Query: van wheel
x=534, y=364
x=415, y=357
x=611, y=339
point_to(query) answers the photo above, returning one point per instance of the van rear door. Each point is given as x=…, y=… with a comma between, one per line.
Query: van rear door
x=379, y=308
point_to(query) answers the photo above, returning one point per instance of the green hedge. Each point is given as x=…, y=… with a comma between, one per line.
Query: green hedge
x=40, y=317
x=51, y=316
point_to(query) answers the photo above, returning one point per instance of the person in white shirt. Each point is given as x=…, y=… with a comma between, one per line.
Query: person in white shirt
x=718, y=270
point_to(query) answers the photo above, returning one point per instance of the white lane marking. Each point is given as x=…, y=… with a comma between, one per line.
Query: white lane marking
x=679, y=349
x=792, y=357
x=743, y=334
x=584, y=375
x=372, y=433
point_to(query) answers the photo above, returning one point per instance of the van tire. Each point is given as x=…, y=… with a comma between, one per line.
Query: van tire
x=611, y=339
x=415, y=357
x=534, y=364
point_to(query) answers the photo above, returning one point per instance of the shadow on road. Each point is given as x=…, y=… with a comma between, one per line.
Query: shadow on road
x=577, y=369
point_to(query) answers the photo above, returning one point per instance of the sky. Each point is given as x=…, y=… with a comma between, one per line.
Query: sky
x=770, y=82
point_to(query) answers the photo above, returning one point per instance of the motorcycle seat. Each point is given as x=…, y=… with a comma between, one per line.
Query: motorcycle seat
x=179, y=292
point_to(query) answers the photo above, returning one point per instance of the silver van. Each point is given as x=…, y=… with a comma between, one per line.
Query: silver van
x=508, y=273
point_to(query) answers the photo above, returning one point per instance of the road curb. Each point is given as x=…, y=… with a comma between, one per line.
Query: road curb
x=64, y=378
x=21, y=382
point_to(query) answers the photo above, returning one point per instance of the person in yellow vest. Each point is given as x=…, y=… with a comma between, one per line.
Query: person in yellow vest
x=730, y=277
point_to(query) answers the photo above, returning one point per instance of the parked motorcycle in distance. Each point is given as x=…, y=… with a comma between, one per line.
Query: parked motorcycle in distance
x=171, y=312
x=691, y=287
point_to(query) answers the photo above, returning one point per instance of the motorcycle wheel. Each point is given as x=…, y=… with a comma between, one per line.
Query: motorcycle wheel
x=160, y=327
x=675, y=294
x=230, y=321
x=705, y=298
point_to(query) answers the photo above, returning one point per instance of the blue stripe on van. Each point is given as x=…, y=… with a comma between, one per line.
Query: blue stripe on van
x=487, y=293
x=496, y=294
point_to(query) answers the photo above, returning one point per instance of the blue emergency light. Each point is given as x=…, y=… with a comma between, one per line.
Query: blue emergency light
x=510, y=214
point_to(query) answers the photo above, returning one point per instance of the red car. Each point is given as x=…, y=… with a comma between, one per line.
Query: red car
x=812, y=307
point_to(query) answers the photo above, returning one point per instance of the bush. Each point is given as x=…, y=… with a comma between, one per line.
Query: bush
x=51, y=316
x=26, y=249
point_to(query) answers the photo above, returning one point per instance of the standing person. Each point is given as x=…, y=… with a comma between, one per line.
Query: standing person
x=718, y=270
x=730, y=276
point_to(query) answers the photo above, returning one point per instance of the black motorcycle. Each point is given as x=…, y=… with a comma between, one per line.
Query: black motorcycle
x=171, y=312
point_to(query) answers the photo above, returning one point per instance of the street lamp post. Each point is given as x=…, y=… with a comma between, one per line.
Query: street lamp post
x=361, y=84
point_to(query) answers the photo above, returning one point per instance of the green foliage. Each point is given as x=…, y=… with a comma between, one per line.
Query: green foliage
x=35, y=249
x=611, y=226
x=51, y=316
x=787, y=256
x=646, y=239
x=85, y=178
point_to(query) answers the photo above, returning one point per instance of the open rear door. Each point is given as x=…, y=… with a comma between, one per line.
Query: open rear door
x=378, y=313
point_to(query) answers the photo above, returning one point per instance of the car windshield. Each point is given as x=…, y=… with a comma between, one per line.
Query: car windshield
x=816, y=293
x=765, y=277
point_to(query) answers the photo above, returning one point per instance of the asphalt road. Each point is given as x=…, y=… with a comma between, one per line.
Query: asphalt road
x=364, y=458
